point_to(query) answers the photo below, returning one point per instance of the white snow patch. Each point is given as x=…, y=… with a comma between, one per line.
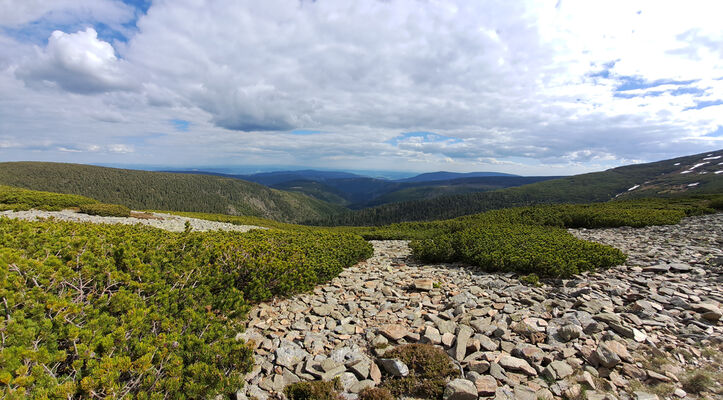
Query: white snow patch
x=634, y=187
x=698, y=165
x=686, y=172
x=712, y=158
x=693, y=184
x=718, y=172
x=677, y=163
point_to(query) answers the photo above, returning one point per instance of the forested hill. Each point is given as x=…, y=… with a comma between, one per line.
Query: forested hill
x=679, y=176
x=165, y=191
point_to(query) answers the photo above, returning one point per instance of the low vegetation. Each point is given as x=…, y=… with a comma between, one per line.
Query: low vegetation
x=375, y=394
x=105, y=210
x=17, y=199
x=129, y=311
x=314, y=390
x=430, y=368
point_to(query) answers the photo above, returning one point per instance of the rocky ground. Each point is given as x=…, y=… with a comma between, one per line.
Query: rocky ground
x=645, y=330
x=168, y=222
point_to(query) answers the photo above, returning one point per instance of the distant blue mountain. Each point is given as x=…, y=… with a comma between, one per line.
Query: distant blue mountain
x=444, y=176
x=277, y=177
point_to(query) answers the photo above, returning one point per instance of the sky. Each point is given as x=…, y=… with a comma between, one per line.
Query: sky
x=528, y=87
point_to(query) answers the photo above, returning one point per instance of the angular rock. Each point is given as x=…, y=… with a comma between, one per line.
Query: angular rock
x=465, y=332
x=424, y=284
x=288, y=354
x=569, y=332
x=517, y=364
x=645, y=396
x=460, y=389
x=486, y=385
x=605, y=356
x=394, y=367
x=558, y=370
x=431, y=335
x=361, y=386
x=447, y=339
x=375, y=373
x=658, y=269
x=347, y=380
x=394, y=332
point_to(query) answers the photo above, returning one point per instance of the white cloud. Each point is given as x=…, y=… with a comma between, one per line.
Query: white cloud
x=536, y=81
x=77, y=62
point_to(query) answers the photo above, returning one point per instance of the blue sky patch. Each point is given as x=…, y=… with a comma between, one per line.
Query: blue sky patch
x=636, y=82
x=304, y=132
x=180, y=125
x=703, y=104
x=716, y=133
x=428, y=137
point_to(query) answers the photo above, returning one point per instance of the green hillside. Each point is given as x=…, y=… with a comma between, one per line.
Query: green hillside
x=666, y=178
x=165, y=191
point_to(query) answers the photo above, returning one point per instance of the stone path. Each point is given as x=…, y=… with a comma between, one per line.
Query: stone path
x=169, y=222
x=636, y=331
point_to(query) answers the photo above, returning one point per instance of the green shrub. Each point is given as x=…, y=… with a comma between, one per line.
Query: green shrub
x=106, y=210
x=716, y=204
x=531, y=279
x=315, y=390
x=15, y=207
x=17, y=199
x=114, y=310
x=545, y=251
x=430, y=368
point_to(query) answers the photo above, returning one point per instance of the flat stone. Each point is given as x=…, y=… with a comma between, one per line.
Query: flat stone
x=347, y=380
x=323, y=310
x=680, y=267
x=331, y=374
x=447, y=339
x=465, y=332
x=645, y=396
x=361, y=369
x=375, y=373
x=517, y=364
x=620, y=350
x=558, y=370
x=330, y=365
x=524, y=393
x=479, y=367
x=424, y=284
x=658, y=269
x=530, y=353
x=486, y=385
x=431, y=335
x=393, y=332
x=288, y=354
x=460, y=389
x=657, y=376
x=487, y=343
x=362, y=385
x=639, y=336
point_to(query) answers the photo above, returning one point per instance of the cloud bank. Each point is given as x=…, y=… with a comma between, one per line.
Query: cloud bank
x=527, y=87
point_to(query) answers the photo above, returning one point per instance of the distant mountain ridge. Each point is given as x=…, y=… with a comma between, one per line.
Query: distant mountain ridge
x=358, y=191
x=166, y=191
x=699, y=173
x=445, y=176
